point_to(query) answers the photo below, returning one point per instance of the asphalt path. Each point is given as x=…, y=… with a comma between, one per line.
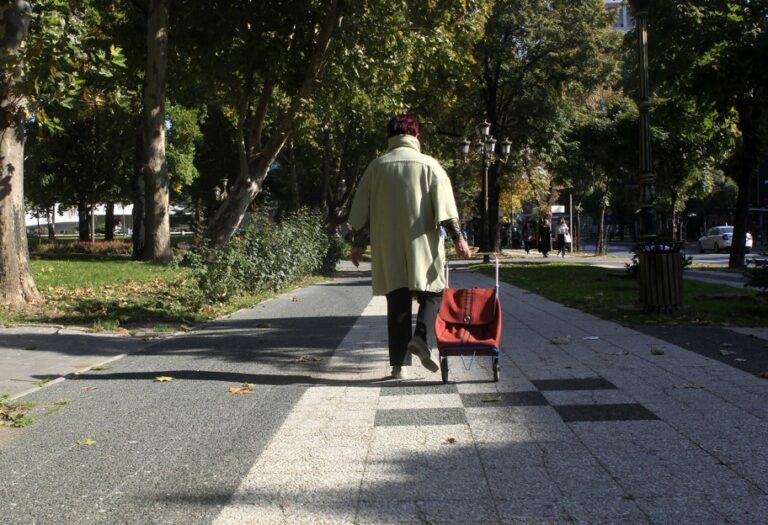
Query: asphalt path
x=174, y=452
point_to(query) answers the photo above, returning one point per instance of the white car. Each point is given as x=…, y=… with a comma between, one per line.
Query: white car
x=719, y=238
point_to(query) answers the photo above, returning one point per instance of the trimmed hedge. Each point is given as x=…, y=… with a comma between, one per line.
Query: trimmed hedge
x=265, y=255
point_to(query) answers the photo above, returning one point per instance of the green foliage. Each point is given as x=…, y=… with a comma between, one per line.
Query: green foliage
x=265, y=255
x=183, y=138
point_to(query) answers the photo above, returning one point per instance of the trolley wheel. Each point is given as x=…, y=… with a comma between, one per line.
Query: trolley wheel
x=444, y=368
x=496, y=369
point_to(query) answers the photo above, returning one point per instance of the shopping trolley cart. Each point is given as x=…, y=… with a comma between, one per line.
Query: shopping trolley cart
x=469, y=324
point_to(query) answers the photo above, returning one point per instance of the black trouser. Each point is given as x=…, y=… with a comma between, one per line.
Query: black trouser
x=399, y=329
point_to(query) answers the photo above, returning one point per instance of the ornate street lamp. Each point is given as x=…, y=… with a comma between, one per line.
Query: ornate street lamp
x=486, y=146
x=647, y=224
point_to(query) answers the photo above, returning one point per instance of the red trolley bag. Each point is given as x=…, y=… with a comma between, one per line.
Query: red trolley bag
x=469, y=324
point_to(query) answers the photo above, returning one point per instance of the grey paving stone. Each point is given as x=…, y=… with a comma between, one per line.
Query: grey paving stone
x=684, y=510
x=426, y=388
x=422, y=416
x=618, y=412
x=587, y=383
x=590, y=508
x=587, y=397
x=504, y=399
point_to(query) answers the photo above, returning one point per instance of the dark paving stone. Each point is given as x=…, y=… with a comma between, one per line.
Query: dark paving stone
x=418, y=389
x=619, y=412
x=709, y=340
x=421, y=416
x=504, y=399
x=588, y=383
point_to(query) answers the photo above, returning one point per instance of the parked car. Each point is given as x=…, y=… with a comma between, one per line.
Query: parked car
x=719, y=238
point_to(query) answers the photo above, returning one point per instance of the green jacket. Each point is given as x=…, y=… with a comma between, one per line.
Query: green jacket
x=403, y=197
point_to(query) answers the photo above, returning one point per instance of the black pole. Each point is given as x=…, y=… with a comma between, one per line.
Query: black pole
x=647, y=178
x=486, y=219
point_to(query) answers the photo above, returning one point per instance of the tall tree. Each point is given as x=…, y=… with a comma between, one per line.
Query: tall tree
x=536, y=61
x=16, y=283
x=716, y=53
x=40, y=69
x=261, y=61
x=157, y=242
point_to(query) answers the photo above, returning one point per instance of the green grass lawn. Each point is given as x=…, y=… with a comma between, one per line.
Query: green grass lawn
x=110, y=293
x=90, y=273
x=608, y=294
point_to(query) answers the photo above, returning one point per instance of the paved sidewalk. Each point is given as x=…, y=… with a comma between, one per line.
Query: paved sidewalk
x=596, y=429
x=32, y=356
x=591, y=422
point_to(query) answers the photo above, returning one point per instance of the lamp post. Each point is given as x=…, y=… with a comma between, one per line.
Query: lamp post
x=486, y=147
x=647, y=178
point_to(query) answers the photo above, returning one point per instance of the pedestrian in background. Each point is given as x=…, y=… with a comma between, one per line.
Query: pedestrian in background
x=545, y=236
x=402, y=200
x=529, y=234
x=563, y=237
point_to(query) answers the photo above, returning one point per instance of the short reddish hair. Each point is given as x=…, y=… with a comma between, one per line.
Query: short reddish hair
x=403, y=125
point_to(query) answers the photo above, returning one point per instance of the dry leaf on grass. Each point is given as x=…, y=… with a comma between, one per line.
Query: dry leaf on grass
x=163, y=379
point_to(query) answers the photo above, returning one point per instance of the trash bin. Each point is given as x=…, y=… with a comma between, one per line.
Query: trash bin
x=660, y=275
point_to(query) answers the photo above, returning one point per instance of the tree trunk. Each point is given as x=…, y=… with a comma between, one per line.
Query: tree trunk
x=83, y=223
x=600, y=246
x=294, y=177
x=747, y=165
x=157, y=245
x=137, y=232
x=17, y=287
x=50, y=215
x=251, y=178
x=109, y=222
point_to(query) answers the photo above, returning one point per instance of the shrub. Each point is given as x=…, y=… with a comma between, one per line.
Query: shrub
x=103, y=248
x=757, y=273
x=265, y=255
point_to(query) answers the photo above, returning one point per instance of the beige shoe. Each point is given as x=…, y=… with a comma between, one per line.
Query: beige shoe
x=419, y=348
x=399, y=372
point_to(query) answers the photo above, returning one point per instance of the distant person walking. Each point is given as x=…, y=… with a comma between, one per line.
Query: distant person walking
x=529, y=235
x=402, y=200
x=563, y=237
x=545, y=236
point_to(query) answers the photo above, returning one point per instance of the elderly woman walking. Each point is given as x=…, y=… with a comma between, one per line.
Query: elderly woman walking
x=399, y=207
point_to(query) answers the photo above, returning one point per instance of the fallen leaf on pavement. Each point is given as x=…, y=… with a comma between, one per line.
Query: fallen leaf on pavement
x=100, y=368
x=560, y=340
x=591, y=338
x=764, y=375
x=740, y=360
x=89, y=388
x=689, y=385
x=726, y=344
x=295, y=299
x=621, y=352
x=726, y=352
x=491, y=399
x=450, y=441
x=245, y=389
x=163, y=379
x=306, y=359
x=657, y=351
x=87, y=442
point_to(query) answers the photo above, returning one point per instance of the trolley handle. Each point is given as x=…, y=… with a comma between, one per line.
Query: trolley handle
x=448, y=272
